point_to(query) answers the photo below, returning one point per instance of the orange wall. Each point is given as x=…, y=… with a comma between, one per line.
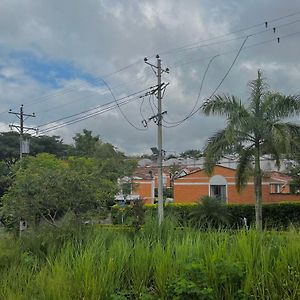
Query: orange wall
x=143, y=188
x=192, y=187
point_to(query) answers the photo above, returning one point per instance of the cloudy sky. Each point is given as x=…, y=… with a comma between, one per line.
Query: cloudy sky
x=55, y=55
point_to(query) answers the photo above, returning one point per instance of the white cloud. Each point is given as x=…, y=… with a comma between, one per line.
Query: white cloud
x=99, y=37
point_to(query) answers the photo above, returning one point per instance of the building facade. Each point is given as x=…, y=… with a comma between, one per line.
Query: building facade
x=221, y=184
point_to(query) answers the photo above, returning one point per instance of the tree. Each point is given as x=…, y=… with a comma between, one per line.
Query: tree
x=85, y=143
x=252, y=130
x=46, y=188
x=9, y=147
x=49, y=144
x=5, y=178
x=92, y=146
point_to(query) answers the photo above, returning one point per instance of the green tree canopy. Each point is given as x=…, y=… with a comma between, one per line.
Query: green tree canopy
x=92, y=146
x=5, y=178
x=10, y=146
x=253, y=129
x=46, y=188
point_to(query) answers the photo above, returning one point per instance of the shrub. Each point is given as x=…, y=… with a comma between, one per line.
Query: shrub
x=210, y=212
x=279, y=216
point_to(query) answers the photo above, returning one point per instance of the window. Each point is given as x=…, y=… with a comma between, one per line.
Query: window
x=278, y=188
x=218, y=187
x=218, y=191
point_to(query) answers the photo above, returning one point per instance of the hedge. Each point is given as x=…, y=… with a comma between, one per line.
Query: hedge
x=278, y=216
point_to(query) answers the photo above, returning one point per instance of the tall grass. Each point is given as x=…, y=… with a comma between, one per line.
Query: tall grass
x=164, y=262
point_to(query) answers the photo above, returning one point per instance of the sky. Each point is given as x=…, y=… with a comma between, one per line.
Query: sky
x=61, y=58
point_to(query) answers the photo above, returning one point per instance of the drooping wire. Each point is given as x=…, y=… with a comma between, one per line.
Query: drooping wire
x=121, y=111
x=64, y=91
x=82, y=118
x=218, y=86
x=94, y=108
x=198, y=97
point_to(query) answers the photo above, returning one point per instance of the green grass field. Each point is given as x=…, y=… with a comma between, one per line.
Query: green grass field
x=153, y=263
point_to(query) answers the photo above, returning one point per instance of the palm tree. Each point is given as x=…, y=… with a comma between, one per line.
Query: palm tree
x=252, y=130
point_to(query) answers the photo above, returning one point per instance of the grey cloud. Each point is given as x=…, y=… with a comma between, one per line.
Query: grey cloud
x=100, y=37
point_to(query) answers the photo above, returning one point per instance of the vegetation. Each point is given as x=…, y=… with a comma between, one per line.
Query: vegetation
x=153, y=263
x=46, y=188
x=276, y=216
x=253, y=130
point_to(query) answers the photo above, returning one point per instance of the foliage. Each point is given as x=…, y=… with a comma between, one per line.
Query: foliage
x=210, y=212
x=253, y=130
x=49, y=144
x=10, y=146
x=92, y=146
x=85, y=143
x=156, y=262
x=5, y=178
x=46, y=188
x=276, y=216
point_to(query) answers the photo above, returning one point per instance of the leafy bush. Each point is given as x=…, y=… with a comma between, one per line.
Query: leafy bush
x=280, y=215
x=210, y=212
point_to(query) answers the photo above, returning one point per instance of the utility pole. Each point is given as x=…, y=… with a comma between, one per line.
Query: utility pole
x=21, y=128
x=159, y=118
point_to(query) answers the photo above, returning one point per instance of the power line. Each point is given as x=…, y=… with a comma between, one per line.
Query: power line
x=229, y=52
x=82, y=118
x=65, y=91
x=198, y=97
x=187, y=46
x=94, y=108
x=232, y=32
x=121, y=111
x=218, y=86
x=234, y=50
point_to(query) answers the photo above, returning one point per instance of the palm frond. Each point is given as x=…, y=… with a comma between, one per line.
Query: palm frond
x=244, y=168
x=217, y=146
x=224, y=105
x=277, y=105
x=258, y=88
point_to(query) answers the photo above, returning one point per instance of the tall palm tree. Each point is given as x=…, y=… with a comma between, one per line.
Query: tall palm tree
x=252, y=130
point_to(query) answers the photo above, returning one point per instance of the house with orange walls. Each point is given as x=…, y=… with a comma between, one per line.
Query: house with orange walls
x=145, y=182
x=221, y=184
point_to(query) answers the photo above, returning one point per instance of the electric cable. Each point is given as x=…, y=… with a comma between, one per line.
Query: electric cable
x=198, y=97
x=82, y=118
x=97, y=79
x=218, y=86
x=232, y=32
x=94, y=108
x=121, y=111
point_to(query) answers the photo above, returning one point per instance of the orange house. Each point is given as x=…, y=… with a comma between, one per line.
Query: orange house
x=145, y=183
x=191, y=187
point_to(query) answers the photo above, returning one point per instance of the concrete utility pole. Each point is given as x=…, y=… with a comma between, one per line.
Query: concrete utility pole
x=159, y=118
x=21, y=128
